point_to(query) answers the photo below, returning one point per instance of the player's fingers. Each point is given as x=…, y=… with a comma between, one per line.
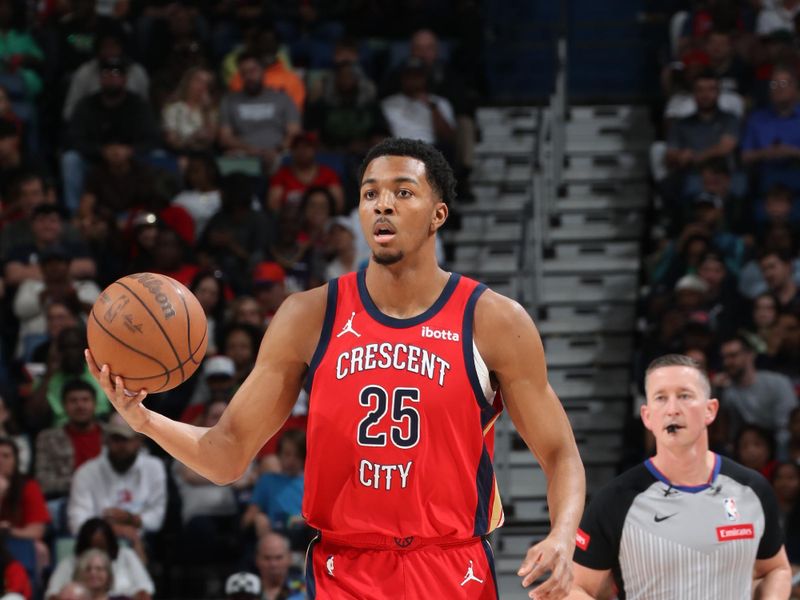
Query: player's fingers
x=530, y=561
x=539, y=569
x=93, y=368
x=557, y=585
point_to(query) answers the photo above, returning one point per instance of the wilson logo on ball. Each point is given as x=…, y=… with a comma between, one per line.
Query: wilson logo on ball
x=153, y=286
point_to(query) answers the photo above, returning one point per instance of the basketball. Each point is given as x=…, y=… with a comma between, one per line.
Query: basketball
x=150, y=330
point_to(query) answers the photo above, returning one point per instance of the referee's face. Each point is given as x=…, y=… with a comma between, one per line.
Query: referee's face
x=678, y=408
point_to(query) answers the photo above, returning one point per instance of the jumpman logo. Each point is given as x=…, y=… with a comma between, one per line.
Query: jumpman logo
x=470, y=576
x=348, y=327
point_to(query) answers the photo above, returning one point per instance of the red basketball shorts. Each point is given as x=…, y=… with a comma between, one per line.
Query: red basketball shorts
x=400, y=569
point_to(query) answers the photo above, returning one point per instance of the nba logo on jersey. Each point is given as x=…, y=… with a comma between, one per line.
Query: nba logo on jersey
x=730, y=509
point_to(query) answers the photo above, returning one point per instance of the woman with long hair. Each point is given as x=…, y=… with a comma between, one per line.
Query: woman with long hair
x=209, y=287
x=130, y=577
x=190, y=117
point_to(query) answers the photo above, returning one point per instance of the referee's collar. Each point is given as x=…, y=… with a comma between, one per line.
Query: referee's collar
x=691, y=489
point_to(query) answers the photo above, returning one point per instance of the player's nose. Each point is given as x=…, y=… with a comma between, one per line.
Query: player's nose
x=384, y=203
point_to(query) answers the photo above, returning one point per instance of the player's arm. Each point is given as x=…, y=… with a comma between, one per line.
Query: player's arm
x=258, y=409
x=589, y=583
x=509, y=343
x=776, y=577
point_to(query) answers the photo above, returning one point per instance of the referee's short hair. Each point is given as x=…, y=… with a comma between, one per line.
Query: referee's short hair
x=679, y=360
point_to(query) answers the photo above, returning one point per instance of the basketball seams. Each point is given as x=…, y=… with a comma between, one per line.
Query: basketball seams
x=158, y=324
x=116, y=338
x=182, y=296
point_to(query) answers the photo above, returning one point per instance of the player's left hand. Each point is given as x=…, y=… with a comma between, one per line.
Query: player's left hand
x=553, y=554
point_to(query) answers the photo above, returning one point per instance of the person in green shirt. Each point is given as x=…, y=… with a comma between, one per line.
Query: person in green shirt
x=65, y=362
x=19, y=53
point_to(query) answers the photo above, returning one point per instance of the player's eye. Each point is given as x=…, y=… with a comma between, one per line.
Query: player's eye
x=370, y=194
x=403, y=193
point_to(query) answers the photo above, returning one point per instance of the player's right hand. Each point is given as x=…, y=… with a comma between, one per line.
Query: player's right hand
x=128, y=404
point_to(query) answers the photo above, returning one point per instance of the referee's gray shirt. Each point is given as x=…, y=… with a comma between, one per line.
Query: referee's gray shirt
x=664, y=541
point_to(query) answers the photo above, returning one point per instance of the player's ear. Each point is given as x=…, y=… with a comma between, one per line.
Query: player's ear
x=644, y=412
x=712, y=408
x=440, y=212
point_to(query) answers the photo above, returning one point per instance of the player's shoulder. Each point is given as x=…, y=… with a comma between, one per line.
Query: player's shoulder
x=500, y=311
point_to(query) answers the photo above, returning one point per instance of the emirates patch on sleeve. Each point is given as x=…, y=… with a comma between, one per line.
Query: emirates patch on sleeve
x=582, y=539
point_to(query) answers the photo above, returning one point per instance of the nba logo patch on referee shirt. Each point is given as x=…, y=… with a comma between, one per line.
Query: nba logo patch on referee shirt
x=730, y=509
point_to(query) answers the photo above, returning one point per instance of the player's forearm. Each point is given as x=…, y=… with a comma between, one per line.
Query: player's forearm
x=776, y=585
x=566, y=491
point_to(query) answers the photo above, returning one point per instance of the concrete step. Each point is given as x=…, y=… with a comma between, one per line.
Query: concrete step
x=598, y=231
x=602, y=167
x=592, y=264
x=588, y=289
x=612, y=194
x=597, y=318
x=579, y=382
x=486, y=231
x=500, y=169
x=588, y=350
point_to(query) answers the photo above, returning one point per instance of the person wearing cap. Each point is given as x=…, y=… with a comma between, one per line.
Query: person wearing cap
x=342, y=244
x=417, y=114
x=112, y=112
x=217, y=384
x=269, y=288
x=124, y=485
x=47, y=228
x=304, y=172
x=243, y=586
x=85, y=81
x=256, y=122
x=57, y=283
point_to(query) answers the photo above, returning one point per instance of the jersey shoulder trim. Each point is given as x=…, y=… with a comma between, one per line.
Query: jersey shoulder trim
x=468, y=349
x=325, y=333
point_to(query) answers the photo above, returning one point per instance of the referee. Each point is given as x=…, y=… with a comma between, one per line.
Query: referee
x=686, y=523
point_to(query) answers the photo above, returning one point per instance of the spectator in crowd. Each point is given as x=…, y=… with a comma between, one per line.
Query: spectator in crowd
x=776, y=267
x=23, y=511
x=341, y=248
x=130, y=577
x=416, y=113
x=190, y=117
x=777, y=238
x=786, y=483
x=757, y=397
x=783, y=348
x=48, y=231
x=112, y=113
x=209, y=289
x=304, y=172
x=201, y=197
x=24, y=192
x=763, y=317
x=9, y=428
x=74, y=591
x=346, y=112
x=731, y=71
x=778, y=208
x=754, y=447
x=208, y=511
x=118, y=182
x=245, y=310
x=15, y=583
x=317, y=207
x=277, y=497
x=771, y=139
x=721, y=300
x=20, y=56
x=240, y=343
x=264, y=43
x=65, y=362
x=124, y=485
x=93, y=569
x=269, y=288
x=279, y=579
x=109, y=46
x=301, y=260
x=243, y=586
x=11, y=158
x=56, y=284
x=777, y=16
x=237, y=235
x=708, y=133
x=218, y=384
x=258, y=121
x=61, y=450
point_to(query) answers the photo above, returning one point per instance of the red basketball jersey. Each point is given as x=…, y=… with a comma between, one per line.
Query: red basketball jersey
x=400, y=432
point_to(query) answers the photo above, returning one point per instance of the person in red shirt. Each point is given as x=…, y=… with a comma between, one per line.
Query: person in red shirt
x=15, y=577
x=23, y=512
x=291, y=181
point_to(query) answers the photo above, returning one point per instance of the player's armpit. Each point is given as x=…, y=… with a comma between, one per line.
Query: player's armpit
x=775, y=575
x=589, y=583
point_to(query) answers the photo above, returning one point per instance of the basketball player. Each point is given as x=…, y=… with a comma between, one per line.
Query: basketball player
x=686, y=523
x=402, y=362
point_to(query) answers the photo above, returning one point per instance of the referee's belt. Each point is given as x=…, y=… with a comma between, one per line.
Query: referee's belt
x=375, y=541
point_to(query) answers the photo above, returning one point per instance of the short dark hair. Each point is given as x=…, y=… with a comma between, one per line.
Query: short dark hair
x=706, y=73
x=678, y=360
x=245, y=55
x=716, y=165
x=78, y=385
x=437, y=170
x=297, y=437
x=783, y=255
x=737, y=337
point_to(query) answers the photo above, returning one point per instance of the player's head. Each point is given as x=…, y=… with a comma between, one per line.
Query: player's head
x=406, y=187
x=679, y=408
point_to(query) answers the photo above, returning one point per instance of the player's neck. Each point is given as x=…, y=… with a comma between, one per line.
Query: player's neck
x=406, y=289
x=685, y=466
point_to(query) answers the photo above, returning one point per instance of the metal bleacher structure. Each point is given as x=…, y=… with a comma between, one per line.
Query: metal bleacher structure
x=560, y=199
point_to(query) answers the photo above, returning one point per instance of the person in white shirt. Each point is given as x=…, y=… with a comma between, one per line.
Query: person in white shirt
x=416, y=114
x=778, y=17
x=124, y=485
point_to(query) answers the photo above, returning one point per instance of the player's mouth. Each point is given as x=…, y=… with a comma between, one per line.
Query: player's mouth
x=383, y=232
x=673, y=428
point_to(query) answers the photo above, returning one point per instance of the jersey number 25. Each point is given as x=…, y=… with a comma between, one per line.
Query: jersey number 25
x=405, y=418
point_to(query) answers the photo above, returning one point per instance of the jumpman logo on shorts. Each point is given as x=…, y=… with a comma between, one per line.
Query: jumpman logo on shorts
x=470, y=576
x=348, y=327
